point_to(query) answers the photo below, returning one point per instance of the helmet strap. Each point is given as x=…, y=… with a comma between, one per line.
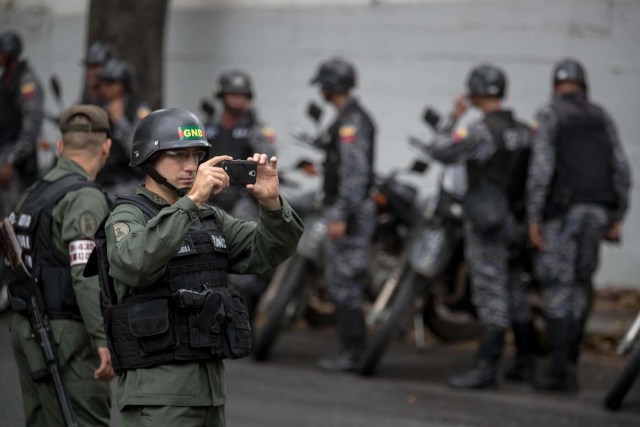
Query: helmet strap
x=149, y=170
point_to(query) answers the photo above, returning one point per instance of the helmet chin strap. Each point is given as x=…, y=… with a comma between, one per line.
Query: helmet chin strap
x=149, y=170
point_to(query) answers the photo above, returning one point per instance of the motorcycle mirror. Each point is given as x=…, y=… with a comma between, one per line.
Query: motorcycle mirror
x=419, y=166
x=431, y=117
x=208, y=108
x=314, y=112
x=56, y=88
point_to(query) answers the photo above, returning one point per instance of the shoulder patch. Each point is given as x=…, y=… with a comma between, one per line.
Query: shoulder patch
x=120, y=230
x=347, y=134
x=460, y=134
x=269, y=133
x=88, y=224
x=28, y=90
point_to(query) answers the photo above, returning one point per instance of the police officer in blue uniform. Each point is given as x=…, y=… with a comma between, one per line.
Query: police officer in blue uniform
x=577, y=192
x=349, y=211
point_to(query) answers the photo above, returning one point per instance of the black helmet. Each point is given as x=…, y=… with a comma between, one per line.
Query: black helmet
x=570, y=70
x=10, y=44
x=335, y=76
x=487, y=80
x=235, y=82
x=100, y=53
x=164, y=130
x=119, y=70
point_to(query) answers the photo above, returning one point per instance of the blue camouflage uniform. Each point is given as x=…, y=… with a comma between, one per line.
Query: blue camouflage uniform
x=21, y=113
x=574, y=226
x=348, y=177
x=498, y=288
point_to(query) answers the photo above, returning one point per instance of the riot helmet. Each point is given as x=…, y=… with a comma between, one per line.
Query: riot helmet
x=570, y=70
x=119, y=70
x=10, y=44
x=99, y=53
x=166, y=129
x=234, y=82
x=487, y=80
x=335, y=76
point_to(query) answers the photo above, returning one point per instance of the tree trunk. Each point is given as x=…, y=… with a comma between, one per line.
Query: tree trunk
x=136, y=29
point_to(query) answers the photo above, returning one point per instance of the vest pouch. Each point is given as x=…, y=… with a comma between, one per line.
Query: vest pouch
x=486, y=206
x=150, y=323
x=237, y=332
x=206, y=328
x=58, y=295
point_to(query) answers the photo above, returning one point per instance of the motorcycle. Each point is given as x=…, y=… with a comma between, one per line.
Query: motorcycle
x=630, y=344
x=430, y=282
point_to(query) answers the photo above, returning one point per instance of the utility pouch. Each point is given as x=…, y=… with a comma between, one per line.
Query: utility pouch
x=207, y=327
x=238, y=331
x=150, y=324
x=486, y=206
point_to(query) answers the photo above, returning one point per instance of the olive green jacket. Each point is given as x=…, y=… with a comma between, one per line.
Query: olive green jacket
x=76, y=217
x=138, y=252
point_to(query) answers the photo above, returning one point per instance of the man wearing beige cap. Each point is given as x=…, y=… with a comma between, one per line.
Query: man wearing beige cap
x=55, y=222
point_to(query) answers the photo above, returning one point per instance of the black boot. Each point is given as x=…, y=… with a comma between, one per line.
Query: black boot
x=483, y=373
x=351, y=329
x=523, y=367
x=562, y=375
x=580, y=325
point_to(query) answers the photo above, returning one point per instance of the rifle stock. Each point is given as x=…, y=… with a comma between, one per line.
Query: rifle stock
x=34, y=308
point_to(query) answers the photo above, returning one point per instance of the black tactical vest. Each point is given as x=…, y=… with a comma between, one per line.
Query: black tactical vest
x=234, y=142
x=32, y=224
x=333, y=161
x=188, y=315
x=584, y=156
x=10, y=117
x=117, y=168
x=507, y=168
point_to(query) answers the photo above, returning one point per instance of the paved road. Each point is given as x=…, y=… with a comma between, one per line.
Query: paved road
x=408, y=391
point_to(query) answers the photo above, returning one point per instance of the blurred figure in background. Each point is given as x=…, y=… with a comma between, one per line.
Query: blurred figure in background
x=349, y=211
x=117, y=89
x=495, y=149
x=577, y=193
x=98, y=55
x=239, y=133
x=21, y=113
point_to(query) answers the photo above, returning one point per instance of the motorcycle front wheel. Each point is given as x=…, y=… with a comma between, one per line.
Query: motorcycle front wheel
x=292, y=288
x=616, y=394
x=401, y=307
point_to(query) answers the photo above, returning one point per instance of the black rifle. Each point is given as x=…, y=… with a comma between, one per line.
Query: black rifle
x=33, y=306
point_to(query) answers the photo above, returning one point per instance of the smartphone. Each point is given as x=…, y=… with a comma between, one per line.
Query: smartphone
x=431, y=117
x=241, y=172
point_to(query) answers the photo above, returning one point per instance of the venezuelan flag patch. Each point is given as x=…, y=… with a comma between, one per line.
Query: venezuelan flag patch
x=460, y=134
x=347, y=134
x=28, y=90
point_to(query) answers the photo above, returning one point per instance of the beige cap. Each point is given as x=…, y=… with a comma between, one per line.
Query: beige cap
x=98, y=119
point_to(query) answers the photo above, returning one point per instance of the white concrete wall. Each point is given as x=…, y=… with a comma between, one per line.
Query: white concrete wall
x=408, y=53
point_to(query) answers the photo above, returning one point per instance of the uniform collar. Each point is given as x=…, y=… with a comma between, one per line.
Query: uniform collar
x=68, y=165
x=143, y=191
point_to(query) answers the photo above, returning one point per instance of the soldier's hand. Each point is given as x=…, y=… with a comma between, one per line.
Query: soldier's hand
x=115, y=109
x=337, y=230
x=535, y=235
x=210, y=179
x=267, y=187
x=614, y=233
x=460, y=106
x=105, y=370
x=6, y=174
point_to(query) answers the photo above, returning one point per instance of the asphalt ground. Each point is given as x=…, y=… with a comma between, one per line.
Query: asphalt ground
x=409, y=390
